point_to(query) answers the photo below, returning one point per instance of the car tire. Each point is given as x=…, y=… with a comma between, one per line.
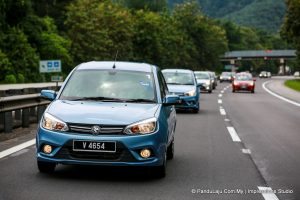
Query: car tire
x=170, y=151
x=233, y=91
x=46, y=167
x=252, y=91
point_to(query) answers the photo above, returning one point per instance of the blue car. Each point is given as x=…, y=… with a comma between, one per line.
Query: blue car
x=109, y=114
x=183, y=82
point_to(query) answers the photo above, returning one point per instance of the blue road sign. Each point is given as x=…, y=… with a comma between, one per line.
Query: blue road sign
x=48, y=66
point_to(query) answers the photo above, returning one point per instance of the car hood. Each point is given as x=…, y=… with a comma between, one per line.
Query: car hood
x=181, y=88
x=92, y=112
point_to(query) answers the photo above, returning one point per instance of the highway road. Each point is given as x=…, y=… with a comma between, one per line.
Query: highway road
x=239, y=146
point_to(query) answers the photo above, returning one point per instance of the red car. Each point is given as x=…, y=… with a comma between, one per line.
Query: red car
x=243, y=81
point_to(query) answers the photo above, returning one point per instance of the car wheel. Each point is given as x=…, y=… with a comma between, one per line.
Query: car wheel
x=170, y=151
x=252, y=91
x=233, y=91
x=46, y=167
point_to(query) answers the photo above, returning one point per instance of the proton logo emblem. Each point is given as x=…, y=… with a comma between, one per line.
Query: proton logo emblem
x=96, y=130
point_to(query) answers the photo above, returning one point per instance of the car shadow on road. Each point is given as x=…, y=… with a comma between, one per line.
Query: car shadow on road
x=103, y=173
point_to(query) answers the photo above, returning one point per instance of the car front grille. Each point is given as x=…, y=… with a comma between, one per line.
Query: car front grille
x=122, y=154
x=104, y=129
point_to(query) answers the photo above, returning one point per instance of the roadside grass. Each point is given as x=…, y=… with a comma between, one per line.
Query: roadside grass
x=293, y=84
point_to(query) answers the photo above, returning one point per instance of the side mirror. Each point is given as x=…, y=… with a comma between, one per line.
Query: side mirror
x=171, y=100
x=48, y=94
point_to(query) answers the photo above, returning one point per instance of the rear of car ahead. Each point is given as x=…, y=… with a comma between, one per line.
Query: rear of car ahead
x=109, y=114
x=243, y=82
x=204, y=79
x=183, y=83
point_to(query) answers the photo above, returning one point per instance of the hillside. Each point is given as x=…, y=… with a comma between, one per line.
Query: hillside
x=263, y=14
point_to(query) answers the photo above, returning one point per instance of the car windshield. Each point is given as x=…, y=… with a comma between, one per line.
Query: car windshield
x=179, y=78
x=110, y=86
x=244, y=77
x=226, y=74
x=202, y=76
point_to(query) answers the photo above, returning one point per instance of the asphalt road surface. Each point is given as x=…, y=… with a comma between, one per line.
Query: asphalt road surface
x=239, y=146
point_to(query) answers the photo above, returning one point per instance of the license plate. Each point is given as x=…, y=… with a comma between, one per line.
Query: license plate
x=243, y=86
x=94, y=146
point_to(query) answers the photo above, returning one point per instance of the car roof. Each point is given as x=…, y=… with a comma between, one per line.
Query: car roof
x=130, y=66
x=202, y=72
x=178, y=70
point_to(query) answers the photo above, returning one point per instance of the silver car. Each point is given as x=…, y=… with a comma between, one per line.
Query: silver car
x=214, y=79
x=205, y=80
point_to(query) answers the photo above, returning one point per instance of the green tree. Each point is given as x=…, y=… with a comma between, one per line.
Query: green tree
x=21, y=54
x=153, y=5
x=209, y=38
x=98, y=29
x=291, y=27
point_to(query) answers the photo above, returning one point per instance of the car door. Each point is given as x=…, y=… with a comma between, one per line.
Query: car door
x=168, y=111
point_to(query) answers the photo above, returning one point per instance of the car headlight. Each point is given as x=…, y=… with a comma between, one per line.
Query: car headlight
x=190, y=93
x=143, y=127
x=52, y=123
x=221, y=77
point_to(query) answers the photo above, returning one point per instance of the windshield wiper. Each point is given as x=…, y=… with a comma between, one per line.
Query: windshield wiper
x=140, y=100
x=106, y=99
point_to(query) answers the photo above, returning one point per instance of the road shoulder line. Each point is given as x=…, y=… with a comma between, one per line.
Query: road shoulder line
x=17, y=148
x=278, y=96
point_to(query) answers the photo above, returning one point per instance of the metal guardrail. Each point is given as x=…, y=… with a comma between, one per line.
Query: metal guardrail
x=20, y=111
x=23, y=89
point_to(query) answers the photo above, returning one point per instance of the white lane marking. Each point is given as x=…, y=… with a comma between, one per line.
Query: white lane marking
x=267, y=193
x=222, y=111
x=222, y=91
x=220, y=95
x=19, y=152
x=233, y=134
x=246, y=151
x=220, y=101
x=278, y=96
x=17, y=148
x=227, y=120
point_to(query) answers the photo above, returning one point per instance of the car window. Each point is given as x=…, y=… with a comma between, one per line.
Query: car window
x=110, y=84
x=243, y=77
x=162, y=84
x=179, y=78
x=202, y=76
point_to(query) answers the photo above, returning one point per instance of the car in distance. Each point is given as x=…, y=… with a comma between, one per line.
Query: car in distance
x=226, y=76
x=264, y=74
x=204, y=79
x=214, y=79
x=297, y=74
x=109, y=113
x=182, y=82
x=243, y=81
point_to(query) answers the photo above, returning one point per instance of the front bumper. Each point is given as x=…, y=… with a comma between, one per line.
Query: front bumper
x=205, y=87
x=127, y=149
x=188, y=102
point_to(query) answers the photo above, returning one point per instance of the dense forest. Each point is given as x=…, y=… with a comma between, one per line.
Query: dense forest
x=76, y=31
x=262, y=14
